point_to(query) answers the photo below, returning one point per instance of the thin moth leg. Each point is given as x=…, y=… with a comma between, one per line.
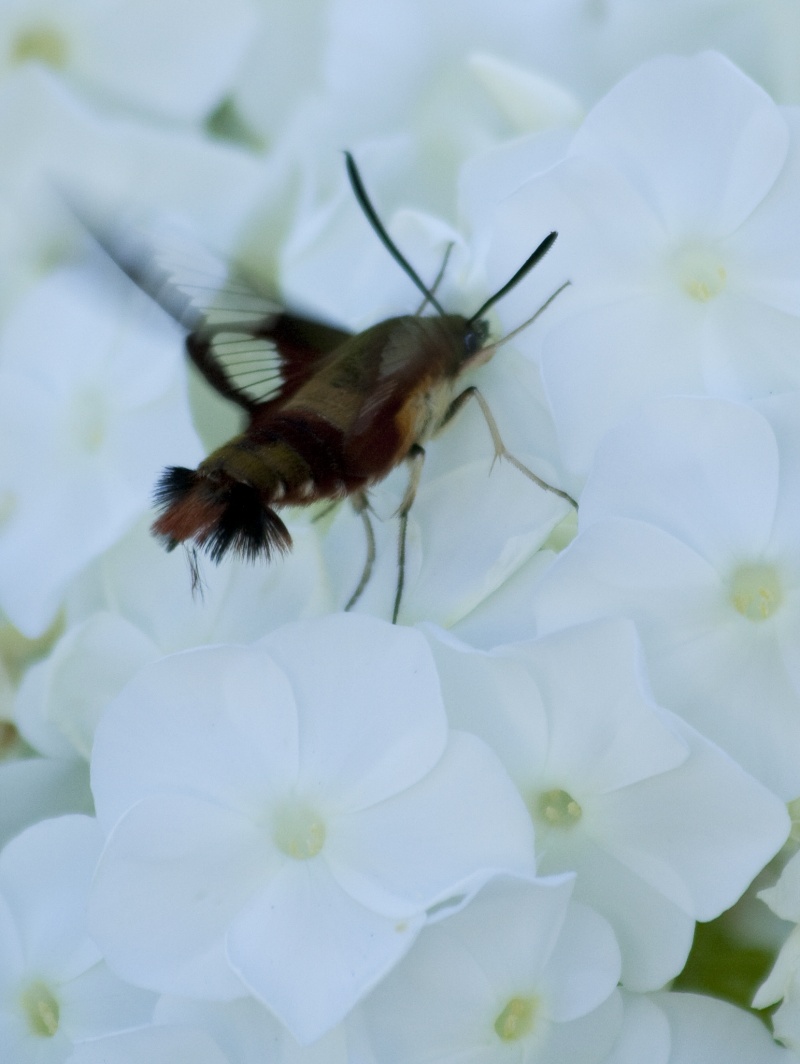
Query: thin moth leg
x=500, y=450
x=416, y=460
x=361, y=506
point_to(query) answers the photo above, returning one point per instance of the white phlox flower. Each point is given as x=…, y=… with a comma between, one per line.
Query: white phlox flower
x=174, y=58
x=523, y=973
x=674, y=208
x=266, y=808
x=660, y=826
x=55, y=989
x=689, y=526
x=90, y=402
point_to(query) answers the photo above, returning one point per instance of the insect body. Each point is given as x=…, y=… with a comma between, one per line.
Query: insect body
x=329, y=413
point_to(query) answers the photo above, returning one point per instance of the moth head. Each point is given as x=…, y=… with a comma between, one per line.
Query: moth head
x=476, y=336
x=218, y=514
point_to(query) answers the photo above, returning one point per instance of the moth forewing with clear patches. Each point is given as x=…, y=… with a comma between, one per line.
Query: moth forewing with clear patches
x=329, y=413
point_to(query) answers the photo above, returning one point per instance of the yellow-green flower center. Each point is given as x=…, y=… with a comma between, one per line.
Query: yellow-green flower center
x=699, y=272
x=516, y=1019
x=42, y=44
x=756, y=591
x=41, y=1010
x=299, y=831
x=557, y=808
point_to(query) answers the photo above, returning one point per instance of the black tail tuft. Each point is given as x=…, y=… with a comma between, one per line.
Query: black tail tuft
x=247, y=526
x=173, y=485
x=218, y=514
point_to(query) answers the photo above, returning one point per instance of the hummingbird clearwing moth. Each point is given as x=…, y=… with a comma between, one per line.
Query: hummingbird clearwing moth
x=329, y=413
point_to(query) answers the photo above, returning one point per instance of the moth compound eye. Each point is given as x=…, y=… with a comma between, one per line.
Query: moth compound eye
x=475, y=337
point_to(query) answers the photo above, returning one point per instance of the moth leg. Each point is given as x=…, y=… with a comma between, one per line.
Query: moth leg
x=416, y=460
x=500, y=450
x=361, y=506
x=323, y=513
x=437, y=281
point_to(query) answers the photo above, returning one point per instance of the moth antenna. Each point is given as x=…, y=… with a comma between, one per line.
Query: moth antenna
x=515, y=332
x=437, y=279
x=525, y=268
x=371, y=214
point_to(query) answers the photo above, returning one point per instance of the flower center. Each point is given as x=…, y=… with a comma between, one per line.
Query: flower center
x=41, y=1010
x=756, y=591
x=299, y=831
x=516, y=1019
x=557, y=808
x=42, y=44
x=699, y=272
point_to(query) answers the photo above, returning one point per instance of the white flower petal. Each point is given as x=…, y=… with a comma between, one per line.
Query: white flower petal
x=703, y=470
x=221, y=714
x=174, y=873
x=465, y=816
x=345, y=949
x=645, y=1033
x=156, y=1045
x=362, y=737
x=702, y=1028
x=44, y=877
x=706, y=166
x=246, y=1030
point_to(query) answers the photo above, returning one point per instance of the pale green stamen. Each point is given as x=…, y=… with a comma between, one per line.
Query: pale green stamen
x=41, y=1010
x=516, y=1019
x=299, y=832
x=700, y=273
x=557, y=808
x=756, y=591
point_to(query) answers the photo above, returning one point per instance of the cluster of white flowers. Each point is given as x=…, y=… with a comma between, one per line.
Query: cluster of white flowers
x=546, y=817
